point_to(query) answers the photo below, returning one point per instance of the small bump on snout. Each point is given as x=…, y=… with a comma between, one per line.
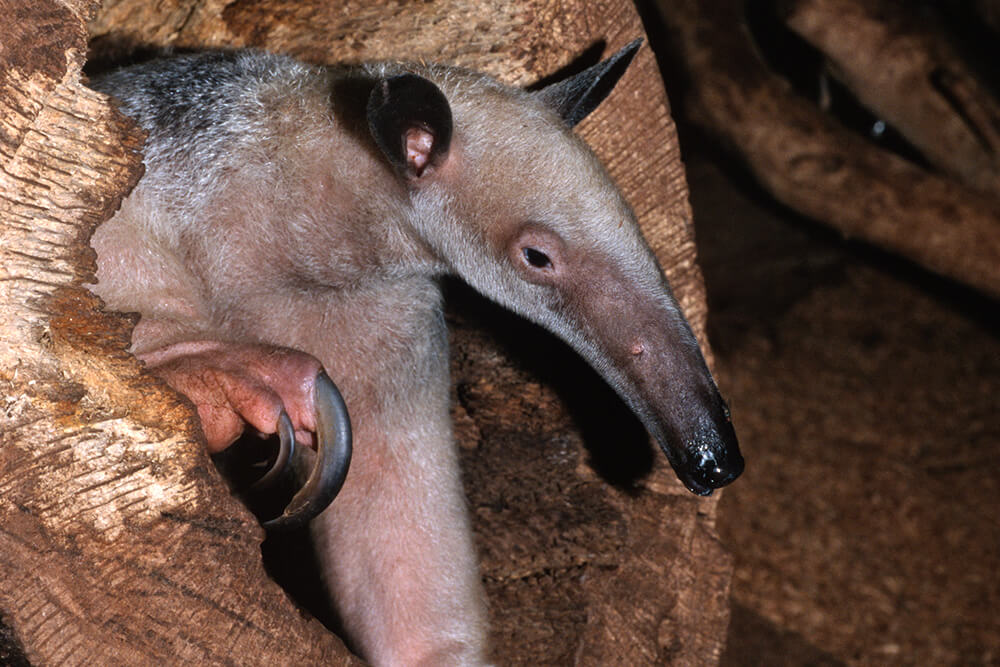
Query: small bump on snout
x=637, y=348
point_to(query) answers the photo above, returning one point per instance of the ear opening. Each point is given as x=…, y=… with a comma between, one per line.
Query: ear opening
x=410, y=119
x=575, y=97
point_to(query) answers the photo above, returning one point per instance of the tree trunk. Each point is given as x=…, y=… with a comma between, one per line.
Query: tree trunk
x=910, y=76
x=120, y=543
x=818, y=167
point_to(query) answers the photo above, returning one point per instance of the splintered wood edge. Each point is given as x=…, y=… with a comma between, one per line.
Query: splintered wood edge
x=114, y=525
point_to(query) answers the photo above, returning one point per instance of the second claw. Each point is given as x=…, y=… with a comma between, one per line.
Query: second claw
x=286, y=450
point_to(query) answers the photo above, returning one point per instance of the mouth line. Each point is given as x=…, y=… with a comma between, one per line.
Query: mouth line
x=701, y=448
x=685, y=477
x=673, y=457
x=696, y=488
x=691, y=479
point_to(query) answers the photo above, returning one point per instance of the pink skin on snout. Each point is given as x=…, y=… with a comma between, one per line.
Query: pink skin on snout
x=233, y=385
x=633, y=328
x=637, y=331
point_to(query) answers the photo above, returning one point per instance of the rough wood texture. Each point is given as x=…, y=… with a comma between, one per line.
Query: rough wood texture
x=920, y=85
x=120, y=544
x=819, y=168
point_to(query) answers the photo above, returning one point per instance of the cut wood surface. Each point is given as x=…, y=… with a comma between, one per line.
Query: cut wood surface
x=120, y=543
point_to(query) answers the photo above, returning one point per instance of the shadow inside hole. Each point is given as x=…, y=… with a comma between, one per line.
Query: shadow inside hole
x=288, y=555
x=618, y=446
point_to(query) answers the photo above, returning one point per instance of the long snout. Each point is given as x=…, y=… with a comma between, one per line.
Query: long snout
x=668, y=385
x=698, y=439
x=647, y=352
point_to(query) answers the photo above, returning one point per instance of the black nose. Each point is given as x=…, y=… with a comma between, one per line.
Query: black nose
x=713, y=458
x=713, y=469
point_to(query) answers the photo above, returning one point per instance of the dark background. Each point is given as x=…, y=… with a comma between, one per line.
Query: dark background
x=864, y=391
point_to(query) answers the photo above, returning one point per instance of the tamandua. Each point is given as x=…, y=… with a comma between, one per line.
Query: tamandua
x=296, y=219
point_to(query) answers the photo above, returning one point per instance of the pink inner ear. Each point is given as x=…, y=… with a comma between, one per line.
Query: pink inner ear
x=419, y=143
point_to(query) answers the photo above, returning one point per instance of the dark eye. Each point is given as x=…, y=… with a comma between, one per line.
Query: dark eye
x=537, y=258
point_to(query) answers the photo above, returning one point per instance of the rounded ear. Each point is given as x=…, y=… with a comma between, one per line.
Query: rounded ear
x=410, y=119
x=575, y=97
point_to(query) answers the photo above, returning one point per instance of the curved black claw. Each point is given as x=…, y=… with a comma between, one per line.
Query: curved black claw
x=286, y=436
x=333, y=458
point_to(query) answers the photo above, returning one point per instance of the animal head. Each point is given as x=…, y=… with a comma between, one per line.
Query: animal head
x=513, y=202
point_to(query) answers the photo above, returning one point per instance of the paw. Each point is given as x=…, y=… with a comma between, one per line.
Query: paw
x=272, y=390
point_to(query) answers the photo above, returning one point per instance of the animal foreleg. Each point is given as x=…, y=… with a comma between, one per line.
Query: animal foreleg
x=396, y=547
x=272, y=389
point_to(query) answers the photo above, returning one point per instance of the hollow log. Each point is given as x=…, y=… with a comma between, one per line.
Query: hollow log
x=120, y=543
x=808, y=161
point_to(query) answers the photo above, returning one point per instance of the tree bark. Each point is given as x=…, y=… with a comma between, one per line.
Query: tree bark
x=819, y=168
x=120, y=543
x=910, y=76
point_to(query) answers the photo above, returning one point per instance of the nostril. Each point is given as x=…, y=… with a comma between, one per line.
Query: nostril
x=705, y=461
x=709, y=467
x=716, y=473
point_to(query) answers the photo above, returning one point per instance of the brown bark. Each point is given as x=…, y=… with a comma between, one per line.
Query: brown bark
x=817, y=167
x=910, y=76
x=121, y=545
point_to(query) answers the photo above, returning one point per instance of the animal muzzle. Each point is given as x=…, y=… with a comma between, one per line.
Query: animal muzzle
x=642, y=345
x=672, y=391
x=705, y=456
